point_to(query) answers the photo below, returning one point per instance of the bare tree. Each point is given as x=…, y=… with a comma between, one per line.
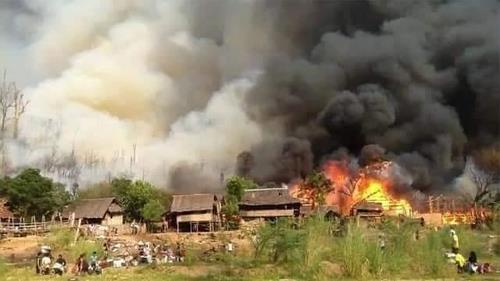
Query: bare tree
x=13, y=104
x=20, y=104
x=482, y=180
x=484, y=171
x=8, y=93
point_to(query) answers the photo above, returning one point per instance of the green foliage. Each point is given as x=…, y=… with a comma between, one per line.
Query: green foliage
x=152, y=211
x=429, y=255
x=59, y=239
x=98, y=190
x=317, y=246
x=133, y=196
x=376, y=259
x=31, y=194
x=353, y=251
x=315, y=188
x=286, y=242
x=236, y=186
x=3, y=270
x=496, y=247
x=120, y=186
x=139, y=199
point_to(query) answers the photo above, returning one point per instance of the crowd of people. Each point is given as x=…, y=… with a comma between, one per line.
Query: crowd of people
x=45, y=264
x=471, y=265
x=144, y=253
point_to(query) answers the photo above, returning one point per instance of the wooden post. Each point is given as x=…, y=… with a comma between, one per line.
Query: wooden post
x=77, y=232
x=33, y=221
x=430, y=205
x=177, y=226
x=72, y=219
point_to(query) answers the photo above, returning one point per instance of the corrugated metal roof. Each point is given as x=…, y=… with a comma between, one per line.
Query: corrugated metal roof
x=192, y=202
x=267, y=196
x=91, y=208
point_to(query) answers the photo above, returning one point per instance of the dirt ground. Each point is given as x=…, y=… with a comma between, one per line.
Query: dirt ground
x=20, y=249
x=23, y=249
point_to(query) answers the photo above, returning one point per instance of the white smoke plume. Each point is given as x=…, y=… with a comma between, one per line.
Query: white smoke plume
x=173, y=91
x=119, y=76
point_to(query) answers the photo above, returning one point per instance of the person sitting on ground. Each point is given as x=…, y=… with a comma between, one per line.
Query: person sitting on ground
x=454, y=241
x=60, y=265
x=93, y=259
x=170, y=255
x=485, y=268
x=460, y=262
x=81, y=265
x=38, y=262
x=94, y=266
x=45, y=264
x=106, y=246
x=178, y=252
x=472, y=264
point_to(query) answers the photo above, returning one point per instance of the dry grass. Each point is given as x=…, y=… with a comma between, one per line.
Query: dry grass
x=309, y=252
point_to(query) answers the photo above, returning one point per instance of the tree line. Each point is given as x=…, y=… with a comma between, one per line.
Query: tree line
x=31, y=194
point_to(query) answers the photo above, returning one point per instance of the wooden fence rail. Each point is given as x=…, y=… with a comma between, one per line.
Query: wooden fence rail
x=29, y=228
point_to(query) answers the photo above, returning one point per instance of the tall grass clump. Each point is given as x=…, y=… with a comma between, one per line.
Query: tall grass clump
x=353, y=252
x=317, y=246
x=429, y=258
x=277, y=242
x=496, y=247
x=400, y=245
x=61, y=241
x=3, y=269
x=376, y=259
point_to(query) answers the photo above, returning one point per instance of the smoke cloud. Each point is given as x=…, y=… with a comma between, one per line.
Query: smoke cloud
x=174, y=91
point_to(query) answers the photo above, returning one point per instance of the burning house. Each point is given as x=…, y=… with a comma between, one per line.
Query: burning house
x=268, y=204
x=195, y=212
x=368, y=191
x=367, y=209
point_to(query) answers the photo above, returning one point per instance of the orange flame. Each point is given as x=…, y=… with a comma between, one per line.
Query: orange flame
x=373, y=190
x=367, y=184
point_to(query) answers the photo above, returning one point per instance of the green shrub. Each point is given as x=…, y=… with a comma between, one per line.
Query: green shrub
x=376, y=259
x=3, y=269
x=400, y=245
x=429, y=258
x=353, y=253
x=59, y=239
x=496, y=247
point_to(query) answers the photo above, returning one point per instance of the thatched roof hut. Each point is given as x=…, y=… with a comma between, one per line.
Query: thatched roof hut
x=98, y=210
x=268, y=203
x=190, y=211
x=192, y=203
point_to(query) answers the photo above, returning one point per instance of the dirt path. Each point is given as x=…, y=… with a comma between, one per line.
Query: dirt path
x=19, y=249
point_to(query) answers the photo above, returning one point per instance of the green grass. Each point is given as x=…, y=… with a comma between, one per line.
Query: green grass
x=62, y=242
x=309, y=252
